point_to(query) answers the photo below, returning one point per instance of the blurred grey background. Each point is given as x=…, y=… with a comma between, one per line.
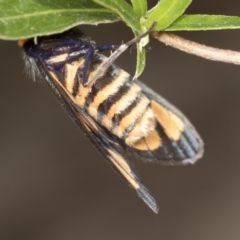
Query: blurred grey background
x=55, y=185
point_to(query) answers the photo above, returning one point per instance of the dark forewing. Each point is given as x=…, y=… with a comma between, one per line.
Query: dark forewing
x=109, y=147
x=115, y=156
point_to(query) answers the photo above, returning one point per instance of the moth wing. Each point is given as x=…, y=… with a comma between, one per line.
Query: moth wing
x=115, y=156
x=105, y=142
x=174, y=141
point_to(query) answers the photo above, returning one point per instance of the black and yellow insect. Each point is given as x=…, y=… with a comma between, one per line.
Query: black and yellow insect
x=120, y=116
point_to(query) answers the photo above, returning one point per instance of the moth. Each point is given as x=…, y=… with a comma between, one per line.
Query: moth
x=121, y=117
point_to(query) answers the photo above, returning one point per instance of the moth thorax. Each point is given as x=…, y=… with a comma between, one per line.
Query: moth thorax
x=143, y=127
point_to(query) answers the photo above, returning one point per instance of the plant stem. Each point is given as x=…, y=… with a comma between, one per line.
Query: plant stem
x=214, y=54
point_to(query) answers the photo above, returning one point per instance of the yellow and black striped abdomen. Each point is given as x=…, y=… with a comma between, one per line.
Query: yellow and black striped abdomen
x=113, y=100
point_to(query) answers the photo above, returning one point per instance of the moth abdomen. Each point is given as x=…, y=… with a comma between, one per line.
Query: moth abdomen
x=112, y=100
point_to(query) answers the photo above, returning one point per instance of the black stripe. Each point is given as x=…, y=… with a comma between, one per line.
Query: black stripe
x=130, y=127
x=104, y=107
x=109, y=76
x=77, y=80
x=79, y=74
x=60, y=68
x=59, y=72
x=119, y=116
x=186, y=146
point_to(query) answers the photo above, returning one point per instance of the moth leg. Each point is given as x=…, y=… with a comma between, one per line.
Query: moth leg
x=121, y=49
x=107, y=47
x=88, y=60
x=87, y=64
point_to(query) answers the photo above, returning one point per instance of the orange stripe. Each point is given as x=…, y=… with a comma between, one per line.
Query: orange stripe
x=84, y=91
x=58, y=58
x=124, y=102
x=109, y=90
x=131, y=117
x=121, y=164
x=172, y=124
x=144, y=126
x=71, y=71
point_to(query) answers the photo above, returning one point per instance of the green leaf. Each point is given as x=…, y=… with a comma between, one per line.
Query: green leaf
x=204, y=22
x=141, y=61
x=165, y=13
x=139, y=6
x=125, y=11
x=128, y=15
x=28, y=18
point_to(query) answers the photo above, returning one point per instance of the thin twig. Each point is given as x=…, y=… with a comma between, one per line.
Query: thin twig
x=214, y=54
